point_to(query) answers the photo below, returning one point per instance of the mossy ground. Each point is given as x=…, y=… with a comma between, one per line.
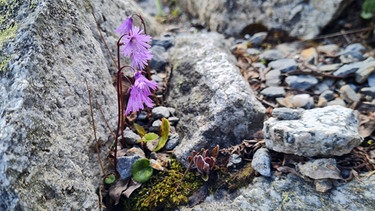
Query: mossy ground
x=160, y=192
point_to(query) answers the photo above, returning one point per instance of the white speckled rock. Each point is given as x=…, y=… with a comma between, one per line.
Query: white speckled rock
x=328, y=131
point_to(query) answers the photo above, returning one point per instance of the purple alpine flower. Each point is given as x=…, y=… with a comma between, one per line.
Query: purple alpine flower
x=139, y=93
x=135, y=46
x=125, y=27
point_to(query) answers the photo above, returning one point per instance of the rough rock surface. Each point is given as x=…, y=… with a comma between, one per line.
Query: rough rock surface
x=300, y=18
x=214, y=102
x=328, y=131
x=290, y=192
x=47, y=156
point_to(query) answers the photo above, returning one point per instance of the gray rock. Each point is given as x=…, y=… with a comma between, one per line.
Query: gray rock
x=351, y=56
x=301, y=81
x=272, y=55
x=328, y=131
x=173, y=141
x=273, y=78
x=214, y=102
x=166, y=42
x=370, y=91
x=124, y=165
x=262, y=162
x=173, y=120
x=159, y=59
x=160, y=112
x=284, y=65
x=273, y=91
x=287, y=113
x=329, y=67
x=324, y=168
x=302, y=101
x=328, y=95
x=348, y=94
x=156, y=125
x=130, y=137
x=302, y=19
x=366, y=68
x=290, y=192
x=323, y=185
x=47, y=161
x=361, y=69
x=234, y=160
x=357, y=47
x=252, y=51
x=371, y=80
x=258, y=38
x=337, y=101
x=329, y=50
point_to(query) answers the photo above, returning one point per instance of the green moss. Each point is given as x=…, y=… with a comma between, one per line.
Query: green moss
x=160, y=192
x=8, y=34
x=3, y=63
x=240, y=178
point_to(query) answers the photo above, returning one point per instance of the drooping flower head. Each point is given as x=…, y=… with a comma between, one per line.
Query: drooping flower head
x=125, y=27
x=139, y=93
x=136, y=47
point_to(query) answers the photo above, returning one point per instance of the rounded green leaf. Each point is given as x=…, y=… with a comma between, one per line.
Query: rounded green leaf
x=109, y=179
x=150, y=137
x=141, y=170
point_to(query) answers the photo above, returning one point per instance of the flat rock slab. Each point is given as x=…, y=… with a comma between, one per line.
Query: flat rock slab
x=299, y=18
x=214, y=102
x=328, y=131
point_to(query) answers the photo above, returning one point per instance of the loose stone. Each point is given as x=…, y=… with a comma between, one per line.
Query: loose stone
x=302, y=82
x=284, y=65
x=262, y=162
x=273, y=91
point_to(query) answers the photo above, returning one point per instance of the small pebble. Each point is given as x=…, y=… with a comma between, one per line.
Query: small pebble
x=273, y=78
x=371, y=80
x=286, y=113
x=271, y=55
x=124, y=165
x=262, y=162
x=303, y=101
x=348, y=94
x=284, y=65
x=234, y=160
x=130, y=137
x=273, y=91
x=173, y=141
x=160, y=112
x=301, y=82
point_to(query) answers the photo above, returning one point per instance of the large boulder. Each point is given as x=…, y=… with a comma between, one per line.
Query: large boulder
x=300, y=18
x=213, y=100
x=47, y=156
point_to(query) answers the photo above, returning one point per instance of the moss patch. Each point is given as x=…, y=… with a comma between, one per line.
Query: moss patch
x=160, y=192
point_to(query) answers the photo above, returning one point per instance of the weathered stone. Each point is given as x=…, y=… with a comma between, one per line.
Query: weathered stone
x=361, y=69
x=273, y=91
x=324, y=168
x=328, y=131
x=234, y=160
x=290, y=192
x=130, y=137
x=160, y=112
x=214, y=102
x=303, y=19
x=124, y=165
x=272, y=55
x=47, y=156
x=284, y=65
x=301, y=81
x=302, y=101
x=273, y=78
x=262, y=162
x=329, y=50
x=173, y=141
x=348, y=94
x=287, y=113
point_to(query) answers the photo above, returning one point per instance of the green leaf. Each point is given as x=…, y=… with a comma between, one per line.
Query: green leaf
x=164, y=134
x=110, y=179
x=141, y=170
x=140, y=130
x=150, y=137
x=366, y=15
